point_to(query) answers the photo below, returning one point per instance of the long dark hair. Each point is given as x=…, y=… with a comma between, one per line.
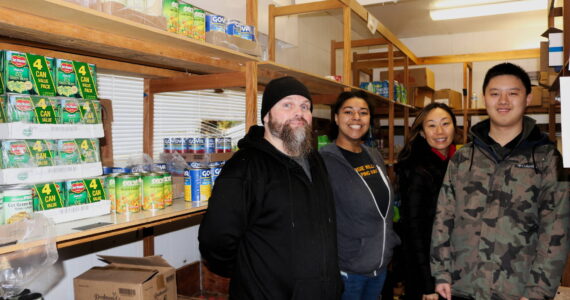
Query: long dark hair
x=417, y=128
x=343, y=97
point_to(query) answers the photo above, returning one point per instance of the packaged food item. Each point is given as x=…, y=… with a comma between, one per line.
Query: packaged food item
x=110, y=189
x=16, y=154
x=20, y=108
x=189, y=145
x=232, y=28
x=85, y=81
x=227, y=144
x=220, y=144
x=215, y=23
x=42, y=152
x=153, y=191
x=47, y=196
x=3, y=112
x=128, y=193
x=46, y=109
x=17, y=73
x=185, y=19
x=75, y=192
x=210, y=144
x=65, y=78
x=167, y=180
x=197, y=184
x=88, y=150
x=215, y=169
x=69, y=111
x=199, y=25
x=1, y=206
x=90, y=111
x=67, y=152
x=95, y=189
x=41, y=74
x=17, y=203
x=170, y=9
x=247, y=32
x=2, y=63
x=168, y=147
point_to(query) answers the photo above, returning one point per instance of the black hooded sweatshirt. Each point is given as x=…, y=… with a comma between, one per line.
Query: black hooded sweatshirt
x=270, y=228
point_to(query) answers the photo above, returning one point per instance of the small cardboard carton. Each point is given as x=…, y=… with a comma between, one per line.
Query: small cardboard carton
x=419, y=77
x=452, y=98
x=132, y=278
x=422, y=96
x=537, y=93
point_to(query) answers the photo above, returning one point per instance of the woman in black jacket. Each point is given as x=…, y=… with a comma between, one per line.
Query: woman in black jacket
x=420, y=169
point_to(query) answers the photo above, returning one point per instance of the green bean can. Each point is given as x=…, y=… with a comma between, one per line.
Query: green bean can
x=199, y=25
x=75, y=193
x=20, y=108
x=153, y=191
x=1, y=207
x=69, y=111
x=128, y=193
x=17, y=73
x=65, y=78
x=167, y=178
x=17, y=203
x=68, y=152
x=16, y=154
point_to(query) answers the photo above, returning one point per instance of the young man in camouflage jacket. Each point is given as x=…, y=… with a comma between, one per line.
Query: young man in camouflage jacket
x=503, y=216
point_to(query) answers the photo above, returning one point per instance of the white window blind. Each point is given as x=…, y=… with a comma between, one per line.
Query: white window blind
x=126, y=94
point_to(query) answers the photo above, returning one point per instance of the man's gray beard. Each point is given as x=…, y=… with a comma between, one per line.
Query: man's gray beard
x=297, y=142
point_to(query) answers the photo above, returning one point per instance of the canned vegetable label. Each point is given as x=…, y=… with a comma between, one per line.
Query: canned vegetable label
x=47, y=196
x=215, y=23
x=16, y=154
x=153, y=191
x=168, y=145
x=199, y=187
x=17, y=72
x=70, y=112
x=18, y=204
x=42, y=78
x=167, y=179
x=170, y=10
x=85, y=81
x=3, y=115
x=128, y=193
x=20, y=109
x=76, y=193
x=45, y=112
x=42, y=152
x=88, y=109
x=1, y=207
x=65, y=78
x=68, y=152
x=199, y=25
x=210, y=145
x=95, y=190
x=110, y=188
x=88, y=150
x=185, y=19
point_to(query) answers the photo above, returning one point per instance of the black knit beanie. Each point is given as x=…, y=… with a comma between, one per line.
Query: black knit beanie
x=280, y=88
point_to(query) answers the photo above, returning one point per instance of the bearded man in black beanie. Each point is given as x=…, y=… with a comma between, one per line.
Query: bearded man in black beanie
x=270, y=224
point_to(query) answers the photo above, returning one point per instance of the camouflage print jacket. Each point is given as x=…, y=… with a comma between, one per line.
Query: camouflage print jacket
x=501, y=227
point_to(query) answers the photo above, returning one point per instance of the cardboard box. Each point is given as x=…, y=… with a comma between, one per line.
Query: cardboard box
x=133, y=278
x=421, y=96
x=453, y=99
x=536, y=96
x=555, y=49
x=420, y=77
x=547, y=78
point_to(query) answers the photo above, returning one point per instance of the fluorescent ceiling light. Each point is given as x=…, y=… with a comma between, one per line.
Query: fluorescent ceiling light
x=487, y=10
x=370, y=2
x=459, y=3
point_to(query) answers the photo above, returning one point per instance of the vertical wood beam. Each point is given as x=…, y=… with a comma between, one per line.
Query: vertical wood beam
x=346, y=35
x=271, y=33
x=391, y=106
x=406, y=109
x=566, y=33
x=148, y=118
x=251, y=14
x=148, y=241
x=333, y=58
x=250, y=95
x=552, y=122
x=355, y=72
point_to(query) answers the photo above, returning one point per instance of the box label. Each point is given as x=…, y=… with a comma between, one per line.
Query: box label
x=41, y=75
x=95, y=190
x=44, y=110
x=41, y=152
x=87, y=88
x=48, y=195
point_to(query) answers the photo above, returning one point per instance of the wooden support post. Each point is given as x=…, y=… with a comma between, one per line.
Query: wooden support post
x=251, y=14
x=552, y=122
x=333, y=58
x=566, y=34
x=271, y=32
x=250, y=95
x=148, y=117
x=409, y=90
x=391, y=106
x=355, y=72
x=148, y=241
x=346, y=35
x=465, y=100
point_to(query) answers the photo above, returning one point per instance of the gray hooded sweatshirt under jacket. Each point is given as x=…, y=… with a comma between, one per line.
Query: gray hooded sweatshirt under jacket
x=365, y=234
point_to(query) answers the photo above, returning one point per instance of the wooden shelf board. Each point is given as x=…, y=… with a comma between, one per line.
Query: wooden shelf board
x=68, y=25
x=556, y=84
x=119, y=224
x=315, y=83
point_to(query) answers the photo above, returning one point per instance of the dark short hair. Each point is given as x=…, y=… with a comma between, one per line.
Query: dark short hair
x=507, y=69
x=343, y=97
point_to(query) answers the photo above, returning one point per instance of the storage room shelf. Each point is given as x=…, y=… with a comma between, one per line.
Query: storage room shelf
x=96, y=228
x=556, y=84
x=45, y=174
x=80, y=29
x=50, y=131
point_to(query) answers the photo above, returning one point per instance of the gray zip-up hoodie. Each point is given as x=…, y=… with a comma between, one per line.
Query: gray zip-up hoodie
x=365, y=234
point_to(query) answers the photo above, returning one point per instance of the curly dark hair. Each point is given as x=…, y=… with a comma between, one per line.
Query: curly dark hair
x=343, y=97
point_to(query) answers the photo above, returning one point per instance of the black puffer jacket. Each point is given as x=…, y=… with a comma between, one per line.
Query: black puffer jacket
x=419, y=178
x=270, y=228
